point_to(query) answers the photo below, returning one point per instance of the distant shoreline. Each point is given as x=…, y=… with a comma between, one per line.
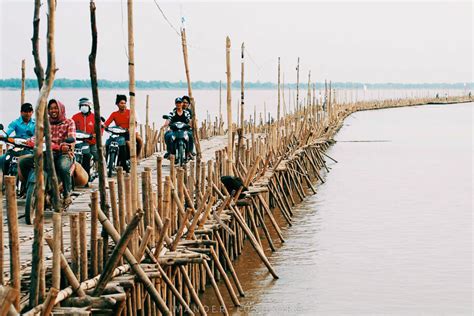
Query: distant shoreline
x=61, y=83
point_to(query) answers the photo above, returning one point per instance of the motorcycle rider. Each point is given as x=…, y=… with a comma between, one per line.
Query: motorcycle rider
x=187, y=107
x=85, y=121
x=61, y=128
x=23, y=127
x=179, y=114
x=121, y=118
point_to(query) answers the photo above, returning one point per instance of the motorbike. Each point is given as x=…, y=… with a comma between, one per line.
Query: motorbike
x=81, y=149
x=31, y=187
x=180, y=139
x=19, y=148
x=113, y=143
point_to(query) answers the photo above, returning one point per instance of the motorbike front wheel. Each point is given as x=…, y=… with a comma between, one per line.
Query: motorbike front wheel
x=30, y=211
x=111, y=163
x=181, y=154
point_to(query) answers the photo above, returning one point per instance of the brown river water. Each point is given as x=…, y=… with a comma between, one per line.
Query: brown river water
x=389, y=233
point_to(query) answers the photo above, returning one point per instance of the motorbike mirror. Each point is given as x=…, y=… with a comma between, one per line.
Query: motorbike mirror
x=70, y=140
x=166, y=117
x=1, y=127
x=102, y=119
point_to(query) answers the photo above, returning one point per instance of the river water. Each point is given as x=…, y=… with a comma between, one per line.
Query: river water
x=389, y=233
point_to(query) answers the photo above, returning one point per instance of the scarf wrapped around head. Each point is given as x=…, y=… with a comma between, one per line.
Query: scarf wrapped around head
x=62, y=112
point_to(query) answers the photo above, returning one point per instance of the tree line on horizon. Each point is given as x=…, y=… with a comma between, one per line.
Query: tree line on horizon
x=15, y=83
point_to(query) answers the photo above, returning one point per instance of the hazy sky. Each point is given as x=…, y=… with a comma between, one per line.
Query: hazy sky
x=343, y=41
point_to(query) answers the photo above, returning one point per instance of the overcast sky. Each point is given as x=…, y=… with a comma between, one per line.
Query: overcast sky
x=343, y=41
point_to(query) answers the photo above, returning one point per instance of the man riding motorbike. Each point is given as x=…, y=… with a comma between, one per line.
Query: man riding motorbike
x=121, y=118
x=23, y=127
x=84, y=121
x=61, y=128
x=179, y=114
x=187, y=107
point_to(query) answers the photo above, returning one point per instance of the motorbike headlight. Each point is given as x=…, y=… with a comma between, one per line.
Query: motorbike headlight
x=7, y=157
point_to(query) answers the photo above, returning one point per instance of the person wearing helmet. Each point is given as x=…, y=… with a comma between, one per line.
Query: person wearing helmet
x=85, y=122
x=179, y=114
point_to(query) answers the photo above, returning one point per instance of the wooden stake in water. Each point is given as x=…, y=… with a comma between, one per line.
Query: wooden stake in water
x=229, y=105
x=242, y=63
x=22, y=99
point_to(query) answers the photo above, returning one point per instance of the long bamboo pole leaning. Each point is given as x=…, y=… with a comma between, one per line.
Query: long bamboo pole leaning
x=97, y=118
x=37, y=251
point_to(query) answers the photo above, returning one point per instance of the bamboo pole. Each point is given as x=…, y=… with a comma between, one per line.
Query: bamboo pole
x=94, y=221
x=74, y=238
x=57, y=240
x=8, y=296
x=37, y=251
x=22, y=97
x=297, y=84
x=49, y=302
x=135, y=266
x=97, y=119
x=278, y=107
x=69, y=274
x=83, y=246
x=230, y=146
x=117, y=253
x=242, y=88
x=131, y=86
x=13, y=239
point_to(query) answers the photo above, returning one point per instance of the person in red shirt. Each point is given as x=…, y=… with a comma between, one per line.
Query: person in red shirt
x=85, y=122
x=121, y=118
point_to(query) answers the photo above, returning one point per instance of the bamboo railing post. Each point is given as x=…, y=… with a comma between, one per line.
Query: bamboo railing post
x=298, y=85
x=57, y=240
x=159, y=185
x=132, y=128
x=242, y=63
x=49, y=302
x=74, y=237
x=22, y=96
x=113, y=204
x=121, y=198
x=94, y=221
x=230, y=146
x=13, y=238
x=83, y=246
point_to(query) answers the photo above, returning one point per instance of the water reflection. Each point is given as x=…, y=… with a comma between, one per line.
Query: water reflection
x=390, y=232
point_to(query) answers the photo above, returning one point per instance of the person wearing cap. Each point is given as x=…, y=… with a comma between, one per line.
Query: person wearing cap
x=121, y=118
x=22, y=127
x=179, y=114
x=85, y=122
